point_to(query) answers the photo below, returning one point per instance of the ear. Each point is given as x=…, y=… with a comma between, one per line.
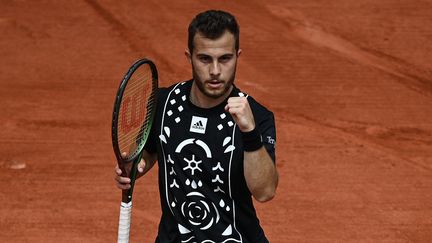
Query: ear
x=239, y=52
x=188, y=55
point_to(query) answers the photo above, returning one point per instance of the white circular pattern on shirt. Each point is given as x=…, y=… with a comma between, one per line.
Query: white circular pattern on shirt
x=199, y=212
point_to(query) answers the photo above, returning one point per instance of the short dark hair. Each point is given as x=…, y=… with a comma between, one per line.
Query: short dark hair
x=212, y=24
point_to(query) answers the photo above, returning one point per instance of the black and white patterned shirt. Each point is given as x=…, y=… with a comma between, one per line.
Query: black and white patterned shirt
x=203, y=192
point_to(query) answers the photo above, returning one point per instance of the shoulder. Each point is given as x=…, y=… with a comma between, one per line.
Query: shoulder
x=265, y=122
x=164, y=92
x=259, y=109
x=262, y=114
x=256, y=107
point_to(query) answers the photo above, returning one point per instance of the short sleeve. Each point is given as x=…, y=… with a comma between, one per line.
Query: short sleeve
x=265, y=122
x=267, y=128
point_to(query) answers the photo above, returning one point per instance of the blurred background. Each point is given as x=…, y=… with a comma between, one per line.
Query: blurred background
x=350, y=83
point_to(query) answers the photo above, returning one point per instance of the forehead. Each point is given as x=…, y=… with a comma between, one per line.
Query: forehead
x=223, y=45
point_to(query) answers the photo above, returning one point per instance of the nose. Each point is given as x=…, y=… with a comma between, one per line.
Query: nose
x=215, y=69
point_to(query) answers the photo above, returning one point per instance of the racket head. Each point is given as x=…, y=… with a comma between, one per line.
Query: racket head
x=134, y=110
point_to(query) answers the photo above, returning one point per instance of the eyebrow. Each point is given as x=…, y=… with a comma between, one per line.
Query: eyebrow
x=203, y=55
x=207, y=55
x=227, y=55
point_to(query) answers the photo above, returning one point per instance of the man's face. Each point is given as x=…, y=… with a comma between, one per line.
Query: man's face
x=214, y=64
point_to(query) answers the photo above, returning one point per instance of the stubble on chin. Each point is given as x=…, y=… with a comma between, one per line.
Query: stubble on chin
x=215, y=95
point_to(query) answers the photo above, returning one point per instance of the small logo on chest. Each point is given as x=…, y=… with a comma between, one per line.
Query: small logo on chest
x=198, y=124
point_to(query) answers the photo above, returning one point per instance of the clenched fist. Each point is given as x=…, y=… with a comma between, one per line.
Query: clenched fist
x=241, y=112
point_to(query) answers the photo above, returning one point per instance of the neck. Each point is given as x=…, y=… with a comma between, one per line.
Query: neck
x=204, y=101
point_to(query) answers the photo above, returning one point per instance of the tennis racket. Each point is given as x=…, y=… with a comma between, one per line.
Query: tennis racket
x=134, y=109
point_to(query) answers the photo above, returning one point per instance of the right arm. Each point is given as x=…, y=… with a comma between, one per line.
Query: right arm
x=146, y=163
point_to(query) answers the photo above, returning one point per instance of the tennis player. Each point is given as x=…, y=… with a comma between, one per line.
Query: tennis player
x=215, y=145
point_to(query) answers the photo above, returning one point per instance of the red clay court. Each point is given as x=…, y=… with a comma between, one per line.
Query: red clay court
x=350, y=83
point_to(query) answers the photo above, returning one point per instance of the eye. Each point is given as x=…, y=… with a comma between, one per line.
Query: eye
x=225, y=58
x=204, y=59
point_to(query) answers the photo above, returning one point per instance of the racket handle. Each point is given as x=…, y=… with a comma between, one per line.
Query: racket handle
x=124, y=222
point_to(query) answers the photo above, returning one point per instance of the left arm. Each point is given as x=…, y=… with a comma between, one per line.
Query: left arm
x=261, y=174
x=259, y=169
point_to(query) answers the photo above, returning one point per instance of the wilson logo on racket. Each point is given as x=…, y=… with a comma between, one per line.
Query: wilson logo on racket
x=133, y=112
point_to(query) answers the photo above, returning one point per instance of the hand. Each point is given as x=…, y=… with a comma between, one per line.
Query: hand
x=241, y=112
x=122, y=179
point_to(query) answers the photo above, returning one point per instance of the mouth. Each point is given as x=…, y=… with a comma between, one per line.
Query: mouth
x=215, y=84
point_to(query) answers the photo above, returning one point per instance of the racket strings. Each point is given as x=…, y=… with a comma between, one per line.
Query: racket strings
x=134, y=116
x=149, y=107
x=127, y=139
x=145, y=122
x=136, y=84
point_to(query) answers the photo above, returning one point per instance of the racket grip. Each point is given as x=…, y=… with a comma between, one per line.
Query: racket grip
x=124, y=222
